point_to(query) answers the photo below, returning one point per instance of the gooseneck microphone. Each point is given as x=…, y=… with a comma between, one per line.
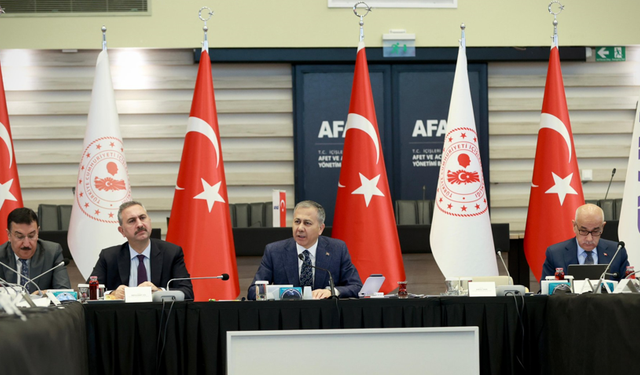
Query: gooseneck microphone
x=64, y=262
x=601, y=280
x=505, y=267
x=223, y=277
x=613, y=172
x=331, y=284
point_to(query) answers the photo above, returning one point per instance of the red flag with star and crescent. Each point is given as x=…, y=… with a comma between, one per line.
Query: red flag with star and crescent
x=200, y=222
x=364, y=216
x=556, y=189
x=10, y=193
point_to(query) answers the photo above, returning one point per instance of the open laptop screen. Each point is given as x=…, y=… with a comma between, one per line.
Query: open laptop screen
x=586, y=271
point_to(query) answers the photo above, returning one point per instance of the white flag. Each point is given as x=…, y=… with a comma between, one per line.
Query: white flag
x=461, y=239
x=629, y=223
x=103, y=180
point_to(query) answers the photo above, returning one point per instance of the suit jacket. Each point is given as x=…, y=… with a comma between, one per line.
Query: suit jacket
x=167, y=262
x=565, y=253
x=280, y=266
x=48, y=254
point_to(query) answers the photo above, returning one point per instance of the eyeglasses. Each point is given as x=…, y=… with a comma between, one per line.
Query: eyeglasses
x=594, y=233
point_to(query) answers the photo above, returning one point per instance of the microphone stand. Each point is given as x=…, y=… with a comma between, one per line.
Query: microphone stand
x=613, y=172
x=601, y=280
x=331, y=284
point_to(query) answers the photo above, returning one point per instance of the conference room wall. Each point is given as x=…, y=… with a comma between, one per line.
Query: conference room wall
x=311, y=23
x=48, y=94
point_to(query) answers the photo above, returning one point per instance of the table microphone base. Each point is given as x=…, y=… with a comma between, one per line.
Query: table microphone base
x=168, y=295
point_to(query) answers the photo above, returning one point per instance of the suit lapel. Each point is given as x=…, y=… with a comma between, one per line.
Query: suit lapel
x=323, y=260
x=604, y=256
x=124, y=264
x=570, y=254
x=36, y=264
x=9, y=276
x=156, y=265
x=290, y=261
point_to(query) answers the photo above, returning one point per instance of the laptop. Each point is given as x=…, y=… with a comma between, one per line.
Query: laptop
x=371, y=286
x=586, y=271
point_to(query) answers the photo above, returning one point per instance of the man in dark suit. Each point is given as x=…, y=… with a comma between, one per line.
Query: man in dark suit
x=141, y=261
x=281, y=264
x=24, y=252
x=586, y=247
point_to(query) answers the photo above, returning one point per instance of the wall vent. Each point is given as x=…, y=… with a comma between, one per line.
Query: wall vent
x=72, y=6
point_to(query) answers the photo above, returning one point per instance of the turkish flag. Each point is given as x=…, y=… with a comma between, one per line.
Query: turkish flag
x=556, y=189
x=10, y=193
x=364, y=216
x=200, y=220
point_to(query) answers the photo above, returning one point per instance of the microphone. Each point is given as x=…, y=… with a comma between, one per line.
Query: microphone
x=601, y=280
x=505, y=267
x=331, y=284
x=63, y=263
x=613, y=172
x=28, y=279
x=223, y=277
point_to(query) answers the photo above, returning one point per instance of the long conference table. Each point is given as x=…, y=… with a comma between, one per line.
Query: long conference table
x=569, y=334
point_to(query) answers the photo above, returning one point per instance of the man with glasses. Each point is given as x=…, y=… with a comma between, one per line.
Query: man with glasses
x=586, y=247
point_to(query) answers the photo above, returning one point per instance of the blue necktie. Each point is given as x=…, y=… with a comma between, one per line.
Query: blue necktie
x=24, y=272
x=306, y=273
x=589, y=259
x=142, y=270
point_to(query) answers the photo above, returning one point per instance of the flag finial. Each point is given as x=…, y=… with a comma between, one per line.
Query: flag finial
x=559, y=10
x=104, y=38
x=355, y=11
x=205, y=43
x=2, y=10
x=463, y=41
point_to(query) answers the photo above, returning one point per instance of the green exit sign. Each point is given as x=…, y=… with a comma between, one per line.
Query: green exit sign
x=611, y=54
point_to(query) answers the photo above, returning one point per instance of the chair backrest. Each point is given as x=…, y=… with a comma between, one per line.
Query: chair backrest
x=232, y=214
x=268, y=214
x=64, y=216
x=257, y=214
x=406, y=212
x=48, y=217
x=618, y=207
x=242, y=215
x=608, y=206
x=425, y=211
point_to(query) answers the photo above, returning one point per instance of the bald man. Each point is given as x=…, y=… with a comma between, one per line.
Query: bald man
x=586, y=247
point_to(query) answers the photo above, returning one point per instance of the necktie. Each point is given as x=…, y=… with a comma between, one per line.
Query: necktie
x=589, y=259
x=24, y=272
x=142, y=270
x=306, y=274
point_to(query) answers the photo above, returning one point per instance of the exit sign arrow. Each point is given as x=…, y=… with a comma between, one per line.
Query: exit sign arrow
x=611, y=53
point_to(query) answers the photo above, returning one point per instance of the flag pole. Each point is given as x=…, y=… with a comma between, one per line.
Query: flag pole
x=104, y=38
x=555, y=19
x=361, y=16
x=205, y=43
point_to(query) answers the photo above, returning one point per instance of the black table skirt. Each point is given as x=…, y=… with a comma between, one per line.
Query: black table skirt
x=51, y=341
x=129, y=338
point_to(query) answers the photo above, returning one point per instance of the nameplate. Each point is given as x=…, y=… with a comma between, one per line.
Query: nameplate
x=138, y=294
x=482, y=289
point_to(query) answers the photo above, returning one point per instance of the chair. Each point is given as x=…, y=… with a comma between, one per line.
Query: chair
x=48, y=217
x=232, y=214
x=242, y=215
x=64, y=216
x=257, y=214
x=618, y=207
x=425, y=211
x=268, y=214
x=406, y=212
x=608, y=206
